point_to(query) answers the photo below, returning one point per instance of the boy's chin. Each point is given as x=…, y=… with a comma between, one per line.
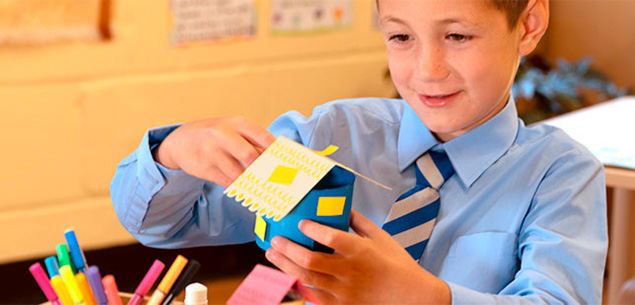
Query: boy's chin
x=445, y=134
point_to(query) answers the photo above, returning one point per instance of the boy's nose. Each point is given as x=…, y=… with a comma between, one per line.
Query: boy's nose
x=432, y=64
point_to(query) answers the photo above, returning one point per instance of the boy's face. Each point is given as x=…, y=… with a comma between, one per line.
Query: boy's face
x=453, y=61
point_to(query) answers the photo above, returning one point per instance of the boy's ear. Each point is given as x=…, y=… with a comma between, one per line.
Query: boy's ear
x=533, y=25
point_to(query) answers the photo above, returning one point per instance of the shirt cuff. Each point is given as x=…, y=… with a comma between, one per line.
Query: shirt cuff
x=152, y=175
x=462, y=295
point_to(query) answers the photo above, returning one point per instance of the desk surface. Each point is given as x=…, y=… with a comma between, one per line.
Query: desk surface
x=605, y=129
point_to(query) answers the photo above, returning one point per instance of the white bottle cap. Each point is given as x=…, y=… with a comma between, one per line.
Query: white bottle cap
x=195, y=294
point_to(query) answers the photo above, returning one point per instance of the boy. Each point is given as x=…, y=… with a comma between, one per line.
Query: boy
x=521, y=220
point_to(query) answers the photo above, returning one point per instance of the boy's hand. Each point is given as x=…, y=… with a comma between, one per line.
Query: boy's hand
x=217, y=149
x=369, y=268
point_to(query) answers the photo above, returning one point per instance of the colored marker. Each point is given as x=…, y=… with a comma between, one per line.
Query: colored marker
x=77, y=255
x=94, y=279
x=64, y=258
x=112, y=292
x=61, y=290
x=147, y=282
x=43, y=281
x=71, y=284
x=51, y=266
x=168, y=280
x=84, y=287
x=185, y=278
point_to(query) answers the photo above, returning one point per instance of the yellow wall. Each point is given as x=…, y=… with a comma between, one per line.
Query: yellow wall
x=71, y=112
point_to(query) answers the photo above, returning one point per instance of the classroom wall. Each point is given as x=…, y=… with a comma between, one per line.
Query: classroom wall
x=604, y=30
x=72, y=111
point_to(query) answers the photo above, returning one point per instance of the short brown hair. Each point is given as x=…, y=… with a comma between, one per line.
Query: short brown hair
x=511, y=8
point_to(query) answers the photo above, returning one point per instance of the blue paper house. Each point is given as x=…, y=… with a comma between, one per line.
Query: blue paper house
x=328, y=203
x=290, y=182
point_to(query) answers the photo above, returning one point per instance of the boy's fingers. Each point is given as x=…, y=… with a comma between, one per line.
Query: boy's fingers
x=308, y=277
x=305, y=258
x=215, y=175
x=340, y=241
x=366, y=228
x=228, y=166
x=238, y=147
x=254, y=133
x=215, y=166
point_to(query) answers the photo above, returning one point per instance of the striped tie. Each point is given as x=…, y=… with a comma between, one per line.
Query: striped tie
x=412, y=217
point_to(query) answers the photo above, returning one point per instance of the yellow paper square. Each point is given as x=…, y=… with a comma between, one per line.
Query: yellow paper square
x=330, y=206
x=283, y=174
x=261, y=228
x=327, y=151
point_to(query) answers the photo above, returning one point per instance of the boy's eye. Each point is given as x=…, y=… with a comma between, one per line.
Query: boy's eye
x=458, y=37
x=399, y=37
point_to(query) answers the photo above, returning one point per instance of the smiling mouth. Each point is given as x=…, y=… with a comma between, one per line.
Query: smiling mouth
x=437, y=101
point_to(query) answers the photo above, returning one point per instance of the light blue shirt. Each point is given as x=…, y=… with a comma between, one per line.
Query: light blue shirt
x=522, y=220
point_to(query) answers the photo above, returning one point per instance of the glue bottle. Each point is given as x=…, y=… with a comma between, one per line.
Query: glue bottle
x=195, y=294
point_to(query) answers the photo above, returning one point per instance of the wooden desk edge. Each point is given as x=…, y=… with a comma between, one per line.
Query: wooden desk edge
x=620, y=177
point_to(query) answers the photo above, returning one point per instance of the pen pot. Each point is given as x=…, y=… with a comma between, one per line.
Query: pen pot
x=328, y=203
x=125, y=298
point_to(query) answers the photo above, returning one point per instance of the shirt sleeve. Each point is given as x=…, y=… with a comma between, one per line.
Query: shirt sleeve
x=168, y=208
x=563, y=240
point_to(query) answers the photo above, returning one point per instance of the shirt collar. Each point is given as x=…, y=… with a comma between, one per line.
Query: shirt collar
x=414, y=138
x=471, y=153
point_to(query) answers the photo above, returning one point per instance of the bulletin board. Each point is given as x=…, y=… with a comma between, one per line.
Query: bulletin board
x=204, y=21
x=50, y=21
x=309, y=16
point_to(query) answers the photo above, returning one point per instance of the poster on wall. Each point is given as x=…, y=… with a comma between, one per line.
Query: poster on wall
x=309, y=16
x=208, y=21
x=40, y=22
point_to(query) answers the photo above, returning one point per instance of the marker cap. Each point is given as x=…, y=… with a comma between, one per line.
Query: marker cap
x=61, y=290
x=64, y=258
x=185, y=278
x=150, y=277
x=52, y=266
x=77, y=255
x=43, y=281
x=172, y=274
x=112, y=292
x=71, y=284
x=94, y=279
x=84, y=287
